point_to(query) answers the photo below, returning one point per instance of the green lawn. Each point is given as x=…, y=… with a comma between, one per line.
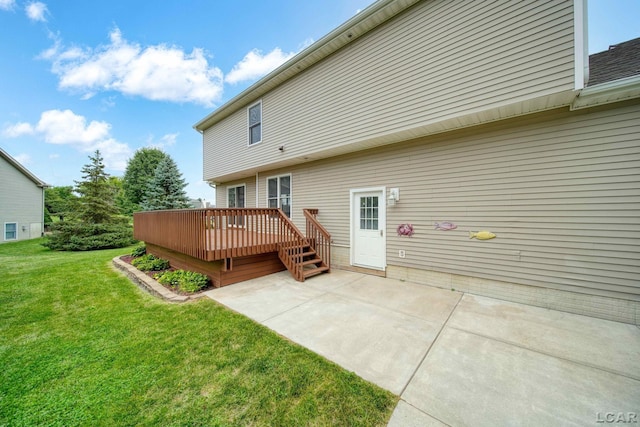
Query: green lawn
x=81, y=345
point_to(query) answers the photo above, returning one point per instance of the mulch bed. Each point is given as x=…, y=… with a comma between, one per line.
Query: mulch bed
x=129, y=258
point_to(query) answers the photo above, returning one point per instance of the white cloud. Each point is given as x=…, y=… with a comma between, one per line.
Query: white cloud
x=7, y=4
x=166, y=141
x=54, y=156
x=24, y=159
x=18, y=129
x=255, y=65
x=36, y=11
x=64, y=127
x=159, y=73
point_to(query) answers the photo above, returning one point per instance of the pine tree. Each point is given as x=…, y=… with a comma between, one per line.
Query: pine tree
x=97, y=197
x=96, y=225
x=140, y=170
x=166, y=188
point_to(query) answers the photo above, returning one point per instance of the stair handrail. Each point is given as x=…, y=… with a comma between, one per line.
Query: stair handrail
x=318, y=236
x=291, y=247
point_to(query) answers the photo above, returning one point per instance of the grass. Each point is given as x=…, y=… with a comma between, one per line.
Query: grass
x=81, y=345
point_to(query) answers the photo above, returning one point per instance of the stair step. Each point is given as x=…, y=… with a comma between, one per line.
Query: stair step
x=315, y=271
x=304, y=254
x=312, y=261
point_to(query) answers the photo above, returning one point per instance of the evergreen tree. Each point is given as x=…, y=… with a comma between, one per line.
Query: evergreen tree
x=166, y=189
x=140, y=171
x=59, y=202
x=97, y=195
x=96, y=224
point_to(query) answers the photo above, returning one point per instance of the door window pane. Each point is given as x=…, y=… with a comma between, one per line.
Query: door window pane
x=369, y=213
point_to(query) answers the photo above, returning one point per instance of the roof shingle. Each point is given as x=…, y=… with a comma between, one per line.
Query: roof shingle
x=619, y=61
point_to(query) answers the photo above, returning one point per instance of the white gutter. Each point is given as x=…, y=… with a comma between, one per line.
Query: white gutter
x=606, y=93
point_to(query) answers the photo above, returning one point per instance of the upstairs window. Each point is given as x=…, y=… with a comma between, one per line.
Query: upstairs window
x=255, y=123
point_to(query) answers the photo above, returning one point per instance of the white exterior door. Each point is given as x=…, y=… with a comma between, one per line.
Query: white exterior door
x=368, y=244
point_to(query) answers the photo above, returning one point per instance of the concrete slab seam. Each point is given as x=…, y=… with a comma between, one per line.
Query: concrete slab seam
x=431, y=346
x=576, y=362
x=427, y=414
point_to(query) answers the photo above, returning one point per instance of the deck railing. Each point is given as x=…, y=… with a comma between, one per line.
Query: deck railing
x=214, y=233
x=318, y=236
x=219, y=233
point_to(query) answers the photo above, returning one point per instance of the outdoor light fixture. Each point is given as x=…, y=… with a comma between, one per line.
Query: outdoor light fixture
x=24, y=228
x=394, y=196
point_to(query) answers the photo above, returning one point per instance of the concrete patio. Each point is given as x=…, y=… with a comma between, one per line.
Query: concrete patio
x=455, y=359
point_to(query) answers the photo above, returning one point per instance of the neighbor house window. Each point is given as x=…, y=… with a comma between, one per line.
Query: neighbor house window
x=235, y=199
x=279, y=193
x=10, y=231
x=255, y=123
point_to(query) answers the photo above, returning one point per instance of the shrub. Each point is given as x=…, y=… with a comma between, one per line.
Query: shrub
x=139, y=251
x=185, y=281
x=150, y=263
x=82, y=236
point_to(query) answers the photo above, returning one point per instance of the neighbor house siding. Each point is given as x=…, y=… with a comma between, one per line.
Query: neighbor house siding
x=20, y=202
x=560, y=190
x=419, y=69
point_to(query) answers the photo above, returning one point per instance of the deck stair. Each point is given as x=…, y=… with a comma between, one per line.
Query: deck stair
x=305, y=260
x=306, y=256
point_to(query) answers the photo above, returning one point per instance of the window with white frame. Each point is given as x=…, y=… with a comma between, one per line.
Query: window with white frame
x=10, y=231
x=235, y=196
x=255, y=123
x=279, y=193
x=235, y=199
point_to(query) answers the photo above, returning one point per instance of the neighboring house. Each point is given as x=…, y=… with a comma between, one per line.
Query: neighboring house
x=21, y=201
x=415, y=117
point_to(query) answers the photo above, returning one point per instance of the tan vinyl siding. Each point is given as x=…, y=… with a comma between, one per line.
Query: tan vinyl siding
x=20, y=202
x=436, y=61
x=560, y=190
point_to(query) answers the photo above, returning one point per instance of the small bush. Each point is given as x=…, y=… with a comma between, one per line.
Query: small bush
x=139, y=251
x=185, y=281
x=82, y=236
x=150, y=263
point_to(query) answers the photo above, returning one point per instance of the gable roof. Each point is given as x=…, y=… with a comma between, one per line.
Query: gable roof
x=37, y=181
x=620, y=61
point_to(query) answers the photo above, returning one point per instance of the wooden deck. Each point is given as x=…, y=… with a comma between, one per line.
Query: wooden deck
x=231, y=236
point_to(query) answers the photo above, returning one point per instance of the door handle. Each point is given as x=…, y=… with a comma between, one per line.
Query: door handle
x=381, y=233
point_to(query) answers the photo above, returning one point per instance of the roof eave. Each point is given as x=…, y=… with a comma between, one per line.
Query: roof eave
x=24, y=170
x=363, y=22
x=608, y=92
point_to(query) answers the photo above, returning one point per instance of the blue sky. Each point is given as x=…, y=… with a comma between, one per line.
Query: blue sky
x=118, y=75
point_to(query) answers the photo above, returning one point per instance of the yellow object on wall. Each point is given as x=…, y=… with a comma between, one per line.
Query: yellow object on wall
x=482, y=235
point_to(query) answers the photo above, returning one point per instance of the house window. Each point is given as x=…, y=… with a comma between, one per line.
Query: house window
x=279, y=193
x=235, y=196
x=10, y=231
x=255, y=123
x=235, y=199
